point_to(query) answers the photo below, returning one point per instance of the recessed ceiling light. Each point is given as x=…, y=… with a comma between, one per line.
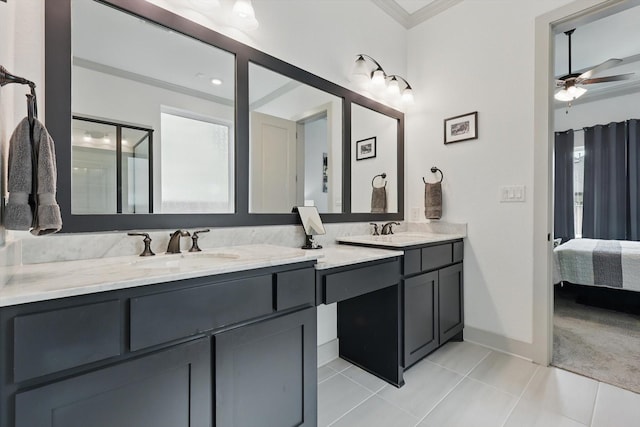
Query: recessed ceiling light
x=216, y=82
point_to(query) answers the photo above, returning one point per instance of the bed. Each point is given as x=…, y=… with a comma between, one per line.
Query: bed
x=594, y=262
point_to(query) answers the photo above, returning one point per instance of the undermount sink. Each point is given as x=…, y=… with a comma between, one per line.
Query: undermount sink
x=186, y=260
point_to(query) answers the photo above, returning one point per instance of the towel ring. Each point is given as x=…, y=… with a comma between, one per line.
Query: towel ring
x=383, y=176
x=434, y=170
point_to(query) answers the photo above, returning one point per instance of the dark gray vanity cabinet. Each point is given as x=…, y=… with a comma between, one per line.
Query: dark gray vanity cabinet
x=169, y=388
x=369, y=314
x=263, y=372
x=433, y=298
x=231, y=350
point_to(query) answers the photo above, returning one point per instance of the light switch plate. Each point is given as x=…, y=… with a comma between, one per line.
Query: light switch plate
x=512, y=193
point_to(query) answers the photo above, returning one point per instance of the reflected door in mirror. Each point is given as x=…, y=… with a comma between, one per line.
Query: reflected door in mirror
x=295, y=145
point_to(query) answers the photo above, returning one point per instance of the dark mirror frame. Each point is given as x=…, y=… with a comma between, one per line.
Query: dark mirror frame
x=58, y=120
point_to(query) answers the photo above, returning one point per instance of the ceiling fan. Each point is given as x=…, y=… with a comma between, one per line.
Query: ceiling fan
x=571, y=85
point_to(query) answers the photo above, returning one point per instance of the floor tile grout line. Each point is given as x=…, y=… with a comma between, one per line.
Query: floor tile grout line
x=440, y=401
x=396, y=405
x=595, y=402
x=329, y=377
x=350, y=410
x=453, y=388
x=360, y=384
x=520, y=398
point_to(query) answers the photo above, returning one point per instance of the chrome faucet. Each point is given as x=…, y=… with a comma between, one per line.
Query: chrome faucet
x=174, y=241
x=387, y=228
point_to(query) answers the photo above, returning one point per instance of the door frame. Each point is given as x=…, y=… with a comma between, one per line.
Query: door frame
x=546, y=26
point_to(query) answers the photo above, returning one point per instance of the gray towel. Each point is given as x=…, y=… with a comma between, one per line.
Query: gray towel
x=32, y=204
x=18, y=214
x=379, y=200
x=433, y=200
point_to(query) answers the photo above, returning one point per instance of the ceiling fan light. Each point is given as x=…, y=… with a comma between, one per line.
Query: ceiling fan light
x=578, y=92
x=563, y=95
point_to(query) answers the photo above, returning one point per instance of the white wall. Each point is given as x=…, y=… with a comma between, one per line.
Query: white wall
x=601, y=112
x=479, y=56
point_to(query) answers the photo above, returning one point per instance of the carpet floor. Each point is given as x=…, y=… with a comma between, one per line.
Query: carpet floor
x=595, y=342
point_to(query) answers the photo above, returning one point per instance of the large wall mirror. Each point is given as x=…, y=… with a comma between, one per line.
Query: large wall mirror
x=161, y=123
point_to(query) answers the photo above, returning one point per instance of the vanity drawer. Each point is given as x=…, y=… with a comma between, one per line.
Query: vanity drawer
x=358, y=281
x=52, y=341
x=436, y=256
x=295, y=288
x=458, y=251
x=412, y=259
x=160, y=318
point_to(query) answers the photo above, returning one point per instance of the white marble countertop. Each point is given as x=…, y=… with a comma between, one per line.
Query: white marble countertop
x=338, y=256
x=39, y=282
x=401, y=239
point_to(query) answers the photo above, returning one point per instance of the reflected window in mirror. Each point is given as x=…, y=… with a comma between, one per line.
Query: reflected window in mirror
x=374, y=151
x=208, y=156
x=129, y=70
x=295, y=145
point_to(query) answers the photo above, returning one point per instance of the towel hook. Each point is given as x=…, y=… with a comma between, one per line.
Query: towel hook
x=383, y=175
x=434, y=170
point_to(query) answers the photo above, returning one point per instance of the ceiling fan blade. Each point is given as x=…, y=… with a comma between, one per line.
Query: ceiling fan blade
x=608, y=79
x=606, y=64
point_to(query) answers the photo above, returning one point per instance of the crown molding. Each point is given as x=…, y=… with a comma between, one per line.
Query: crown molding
x=410, y=20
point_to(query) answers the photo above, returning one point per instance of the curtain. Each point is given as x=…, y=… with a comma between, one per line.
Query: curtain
x=605, y=183
x=563, y=226
x=633, y=153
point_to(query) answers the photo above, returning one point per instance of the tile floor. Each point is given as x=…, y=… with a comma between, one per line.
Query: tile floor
x=466, y=385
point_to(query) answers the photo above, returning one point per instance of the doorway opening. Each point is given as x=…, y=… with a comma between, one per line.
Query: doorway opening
x=595, y=318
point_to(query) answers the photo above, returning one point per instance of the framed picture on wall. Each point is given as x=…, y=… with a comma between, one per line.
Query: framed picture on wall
x=366, y=148
x=461, y=128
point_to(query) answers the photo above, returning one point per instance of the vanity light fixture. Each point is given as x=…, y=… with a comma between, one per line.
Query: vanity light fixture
x=244, y=15
x=374, y=75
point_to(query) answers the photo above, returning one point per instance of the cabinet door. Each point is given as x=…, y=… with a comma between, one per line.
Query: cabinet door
x=420, y=317
x=265, y=373
x=450, y=295
x=171, y=388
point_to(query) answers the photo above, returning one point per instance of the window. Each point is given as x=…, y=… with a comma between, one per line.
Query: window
x=578, y=182
x=190, y=142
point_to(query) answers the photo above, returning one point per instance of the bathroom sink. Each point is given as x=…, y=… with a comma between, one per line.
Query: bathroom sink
x=186, y=260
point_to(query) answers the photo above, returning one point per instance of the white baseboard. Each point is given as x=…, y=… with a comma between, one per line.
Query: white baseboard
x=499, y=342
x=327, y=352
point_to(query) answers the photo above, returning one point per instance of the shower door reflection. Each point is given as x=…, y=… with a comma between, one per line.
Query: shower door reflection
x=111, y=167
